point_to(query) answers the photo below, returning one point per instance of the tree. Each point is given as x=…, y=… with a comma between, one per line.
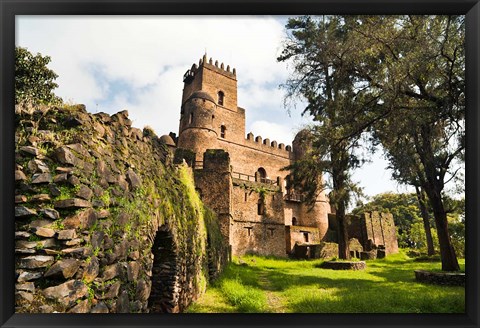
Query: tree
x=321, y=54
x=396, y=75
x=422, y=71
x=34, y=81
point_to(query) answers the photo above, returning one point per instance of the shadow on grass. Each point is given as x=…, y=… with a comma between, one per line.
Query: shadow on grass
x=385, y=287
x=309, y=294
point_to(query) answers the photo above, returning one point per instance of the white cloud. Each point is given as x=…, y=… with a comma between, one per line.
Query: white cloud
x=111, y=63
x=149, y=55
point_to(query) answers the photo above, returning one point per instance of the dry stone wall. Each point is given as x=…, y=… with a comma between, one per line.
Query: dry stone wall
x=93, y=196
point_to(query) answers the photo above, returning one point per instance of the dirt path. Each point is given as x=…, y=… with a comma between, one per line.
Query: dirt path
x=273, y=298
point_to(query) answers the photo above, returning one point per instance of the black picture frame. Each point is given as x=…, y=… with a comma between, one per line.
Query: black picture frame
x=10, y=8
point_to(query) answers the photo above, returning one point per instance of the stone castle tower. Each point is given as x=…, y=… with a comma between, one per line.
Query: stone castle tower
x=239, y=176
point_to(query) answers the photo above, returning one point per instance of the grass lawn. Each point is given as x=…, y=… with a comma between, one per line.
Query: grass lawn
x=253, y=284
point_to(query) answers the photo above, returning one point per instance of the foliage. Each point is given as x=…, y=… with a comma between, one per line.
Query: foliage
x=34, y=81
x=400, y=81
x=322, y=77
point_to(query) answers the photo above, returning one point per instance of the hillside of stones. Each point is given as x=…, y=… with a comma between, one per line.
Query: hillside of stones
x=93, y=196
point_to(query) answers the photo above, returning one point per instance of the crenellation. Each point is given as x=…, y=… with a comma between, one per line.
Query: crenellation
x=258, y=210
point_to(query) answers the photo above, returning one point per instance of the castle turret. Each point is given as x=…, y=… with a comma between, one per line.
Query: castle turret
x=209, y=108
x=318, y=215
x=196, y=124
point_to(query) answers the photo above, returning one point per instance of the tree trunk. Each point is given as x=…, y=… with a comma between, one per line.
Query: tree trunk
x=447, y=252
x=340, y=164
x=342, y=233
x=426, y=219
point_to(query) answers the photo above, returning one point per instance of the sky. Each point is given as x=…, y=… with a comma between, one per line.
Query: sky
x=113, y=63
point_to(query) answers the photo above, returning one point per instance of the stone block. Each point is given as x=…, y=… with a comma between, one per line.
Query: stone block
x=72, y=203
x=66, y=293
x=63, y=269
x=34, y=262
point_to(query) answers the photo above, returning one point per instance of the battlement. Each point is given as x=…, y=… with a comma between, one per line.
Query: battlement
x=266, y=144
x=214, y=66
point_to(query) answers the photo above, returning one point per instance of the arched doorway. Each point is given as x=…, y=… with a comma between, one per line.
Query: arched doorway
x=164, y=276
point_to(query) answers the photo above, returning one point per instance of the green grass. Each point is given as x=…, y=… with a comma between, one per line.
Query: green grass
x=298, y=286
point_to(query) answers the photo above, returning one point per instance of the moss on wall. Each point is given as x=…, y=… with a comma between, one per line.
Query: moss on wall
x=91, y=193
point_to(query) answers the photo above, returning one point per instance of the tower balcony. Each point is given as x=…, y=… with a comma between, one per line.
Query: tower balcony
x=294, y=197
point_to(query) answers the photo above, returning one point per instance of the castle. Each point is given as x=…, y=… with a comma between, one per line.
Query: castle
x=245, y=184
x=241, y=178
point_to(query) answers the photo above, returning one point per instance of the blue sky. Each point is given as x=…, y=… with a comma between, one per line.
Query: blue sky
x=112, y=63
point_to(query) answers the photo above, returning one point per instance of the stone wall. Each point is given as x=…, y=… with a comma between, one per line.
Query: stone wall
x=373, y=230
x=299, y=235
x=260, y=231
x=105, y=223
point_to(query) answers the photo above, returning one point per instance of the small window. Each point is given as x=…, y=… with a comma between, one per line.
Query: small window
x=294, y=221
x=305, y=236
x=260, y=207
x=246, y=196
x=223, y=131
x=190, y=119
x=221, y=97
x=249, y=230
x=271, y=231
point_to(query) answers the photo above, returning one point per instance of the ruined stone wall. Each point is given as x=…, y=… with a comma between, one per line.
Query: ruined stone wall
x=252, y=232
x=94, y=198
x=371, y=229
x=297, y=235
x=381, y=230
x=214, y=184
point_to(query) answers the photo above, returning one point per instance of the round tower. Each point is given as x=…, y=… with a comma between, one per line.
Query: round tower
x=196, y=124
x=318, y=215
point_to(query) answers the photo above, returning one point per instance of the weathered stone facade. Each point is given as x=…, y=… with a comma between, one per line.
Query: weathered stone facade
x=241, y=177
x=104, y=222
x=248, y=191
x=374, y=230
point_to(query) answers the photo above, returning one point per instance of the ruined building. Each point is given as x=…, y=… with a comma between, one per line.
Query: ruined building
x=240, y=176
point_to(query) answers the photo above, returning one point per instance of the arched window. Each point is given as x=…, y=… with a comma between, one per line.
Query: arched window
x=294, y=221
x=221, y=97
x=190, y=118
x=223, y=131
x=262, y=175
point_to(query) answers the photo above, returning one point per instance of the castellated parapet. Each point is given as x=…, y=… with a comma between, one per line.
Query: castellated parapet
x=243, y=177
x=249, y=194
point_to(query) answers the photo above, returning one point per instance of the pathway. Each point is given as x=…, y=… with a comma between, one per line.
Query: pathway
x=274, y=300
